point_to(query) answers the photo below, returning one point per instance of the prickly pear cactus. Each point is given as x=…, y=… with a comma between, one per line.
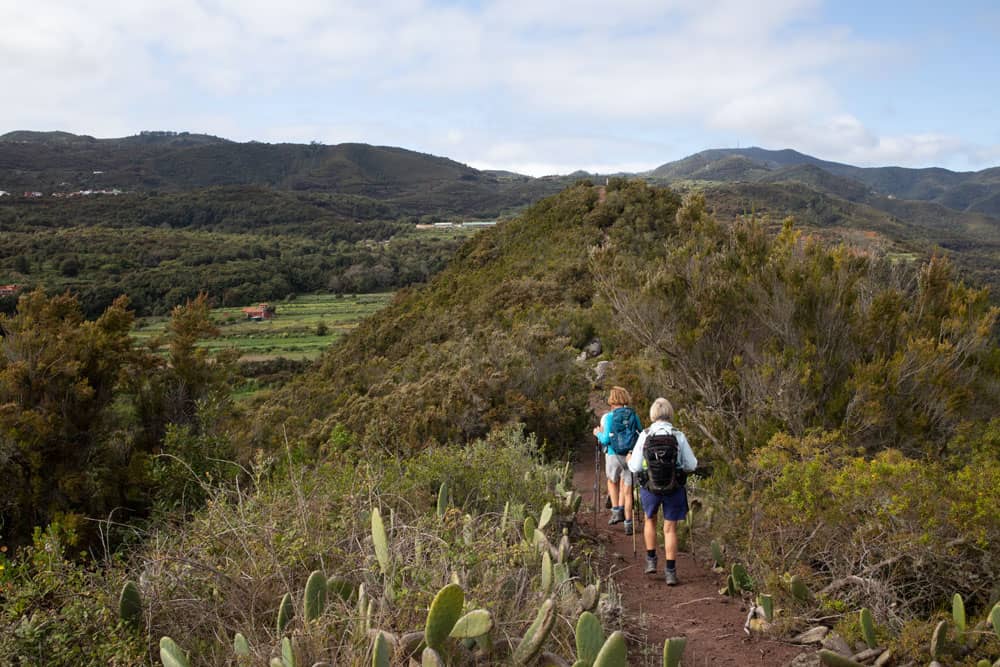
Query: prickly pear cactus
x=315, y=596
x=287, y=653
x=958, y=615
x=536, y=634
x=285, y=613
x=241, y=647
x=476, y=623
x=867, y=627
x=529, y=529
x=589, y=638
x=938, y=639
x=741, y=579
x=431, y=658
x=381, y=651
x=130, y=604
x=613, y=653
x=717, y=554
x=798, y=588
x=442, y=503
x=589, y=597
x=342, y=588
x=172, y=655
x=546, y=573
x=673, y=649
x=832, y=659
x=766, y=603
x=545, y=517
x=995, y=619
x=381, y=541
x=445, y=611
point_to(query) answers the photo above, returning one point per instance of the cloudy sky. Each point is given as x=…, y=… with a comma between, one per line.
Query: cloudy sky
x=535, y=86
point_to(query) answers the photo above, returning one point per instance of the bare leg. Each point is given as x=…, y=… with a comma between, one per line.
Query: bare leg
x=669, y=538
x=626, y=499
x=613, y=491
x=649, y=533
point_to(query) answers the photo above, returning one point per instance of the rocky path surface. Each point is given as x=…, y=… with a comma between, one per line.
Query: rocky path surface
x=712, y=623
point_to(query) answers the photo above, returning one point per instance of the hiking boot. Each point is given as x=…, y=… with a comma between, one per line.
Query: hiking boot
x=617, y=516
x=650, y=565
x=671, y=577
x=628, y=527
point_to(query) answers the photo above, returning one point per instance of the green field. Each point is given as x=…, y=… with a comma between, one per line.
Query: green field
x=292, y=333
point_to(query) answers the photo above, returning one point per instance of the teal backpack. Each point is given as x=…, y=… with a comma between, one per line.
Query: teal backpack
x=625, y=427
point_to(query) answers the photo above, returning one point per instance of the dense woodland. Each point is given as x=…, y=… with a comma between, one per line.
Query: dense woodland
x=845, y=397
x=239, y=245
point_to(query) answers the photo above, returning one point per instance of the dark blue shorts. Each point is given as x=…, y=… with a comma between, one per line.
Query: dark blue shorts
x=675, y=505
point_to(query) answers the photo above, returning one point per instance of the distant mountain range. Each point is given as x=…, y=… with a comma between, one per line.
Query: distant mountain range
x=918, y=210
x=977, y=191
x=172, y=161
x=167, y=161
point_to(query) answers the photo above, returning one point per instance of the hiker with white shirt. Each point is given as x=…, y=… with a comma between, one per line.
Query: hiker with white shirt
x=662, y=458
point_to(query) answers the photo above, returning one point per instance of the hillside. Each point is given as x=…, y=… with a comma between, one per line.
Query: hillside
x=797, y=366
x=977, y=192
x=415, y=183
x=843, y=399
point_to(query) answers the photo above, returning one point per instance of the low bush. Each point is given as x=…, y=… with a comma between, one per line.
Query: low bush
x=885, y=532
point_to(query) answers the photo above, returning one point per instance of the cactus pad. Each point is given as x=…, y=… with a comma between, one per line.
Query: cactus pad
x=589, y=637
x=381, y=541
x=673, y=649
x=613, y=653
x=444, y=613
x=381, y=651
x=315, y=596
x=867, y=627
x=172, y=655
x=285, y=613
x=130, y=604
x=536, y=634
x=474, y=624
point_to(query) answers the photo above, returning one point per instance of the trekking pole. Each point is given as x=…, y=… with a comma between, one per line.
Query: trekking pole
x=597, y=479
x=632, y=477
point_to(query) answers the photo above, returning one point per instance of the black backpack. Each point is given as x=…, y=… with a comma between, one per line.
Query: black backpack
x=664, y=475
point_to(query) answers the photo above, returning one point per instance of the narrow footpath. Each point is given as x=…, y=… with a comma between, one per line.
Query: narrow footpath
x=712, y=623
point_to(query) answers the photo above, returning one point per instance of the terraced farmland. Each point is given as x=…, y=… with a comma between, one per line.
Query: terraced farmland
x=296, y=332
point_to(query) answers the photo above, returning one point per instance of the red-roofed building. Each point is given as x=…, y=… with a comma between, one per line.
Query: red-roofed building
x=262, y=311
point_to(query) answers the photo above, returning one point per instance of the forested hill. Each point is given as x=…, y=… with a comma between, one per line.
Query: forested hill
x=415, y=183
x=977, y=191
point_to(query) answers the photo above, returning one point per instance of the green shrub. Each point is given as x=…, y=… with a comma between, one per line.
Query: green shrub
x=60, y=612
x=887, y=529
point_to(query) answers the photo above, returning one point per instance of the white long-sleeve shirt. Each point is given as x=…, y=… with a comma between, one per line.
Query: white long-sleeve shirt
x=685, y=457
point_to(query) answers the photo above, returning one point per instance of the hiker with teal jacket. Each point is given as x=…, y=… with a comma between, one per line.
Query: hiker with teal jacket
x=617, y=434
x=662, y=457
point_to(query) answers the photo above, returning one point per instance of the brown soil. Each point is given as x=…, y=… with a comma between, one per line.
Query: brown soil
x=712, y=623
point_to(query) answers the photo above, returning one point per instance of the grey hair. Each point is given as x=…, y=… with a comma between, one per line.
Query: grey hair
x=661, y=410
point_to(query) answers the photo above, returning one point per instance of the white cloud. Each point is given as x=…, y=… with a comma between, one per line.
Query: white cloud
x=442, y=77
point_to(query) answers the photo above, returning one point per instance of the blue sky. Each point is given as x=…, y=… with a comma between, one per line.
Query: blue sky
x=526, y=85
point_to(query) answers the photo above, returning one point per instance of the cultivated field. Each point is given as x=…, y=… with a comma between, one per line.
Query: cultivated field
x=296, y=332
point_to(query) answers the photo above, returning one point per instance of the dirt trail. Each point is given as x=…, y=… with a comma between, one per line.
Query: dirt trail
x=712, y=623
